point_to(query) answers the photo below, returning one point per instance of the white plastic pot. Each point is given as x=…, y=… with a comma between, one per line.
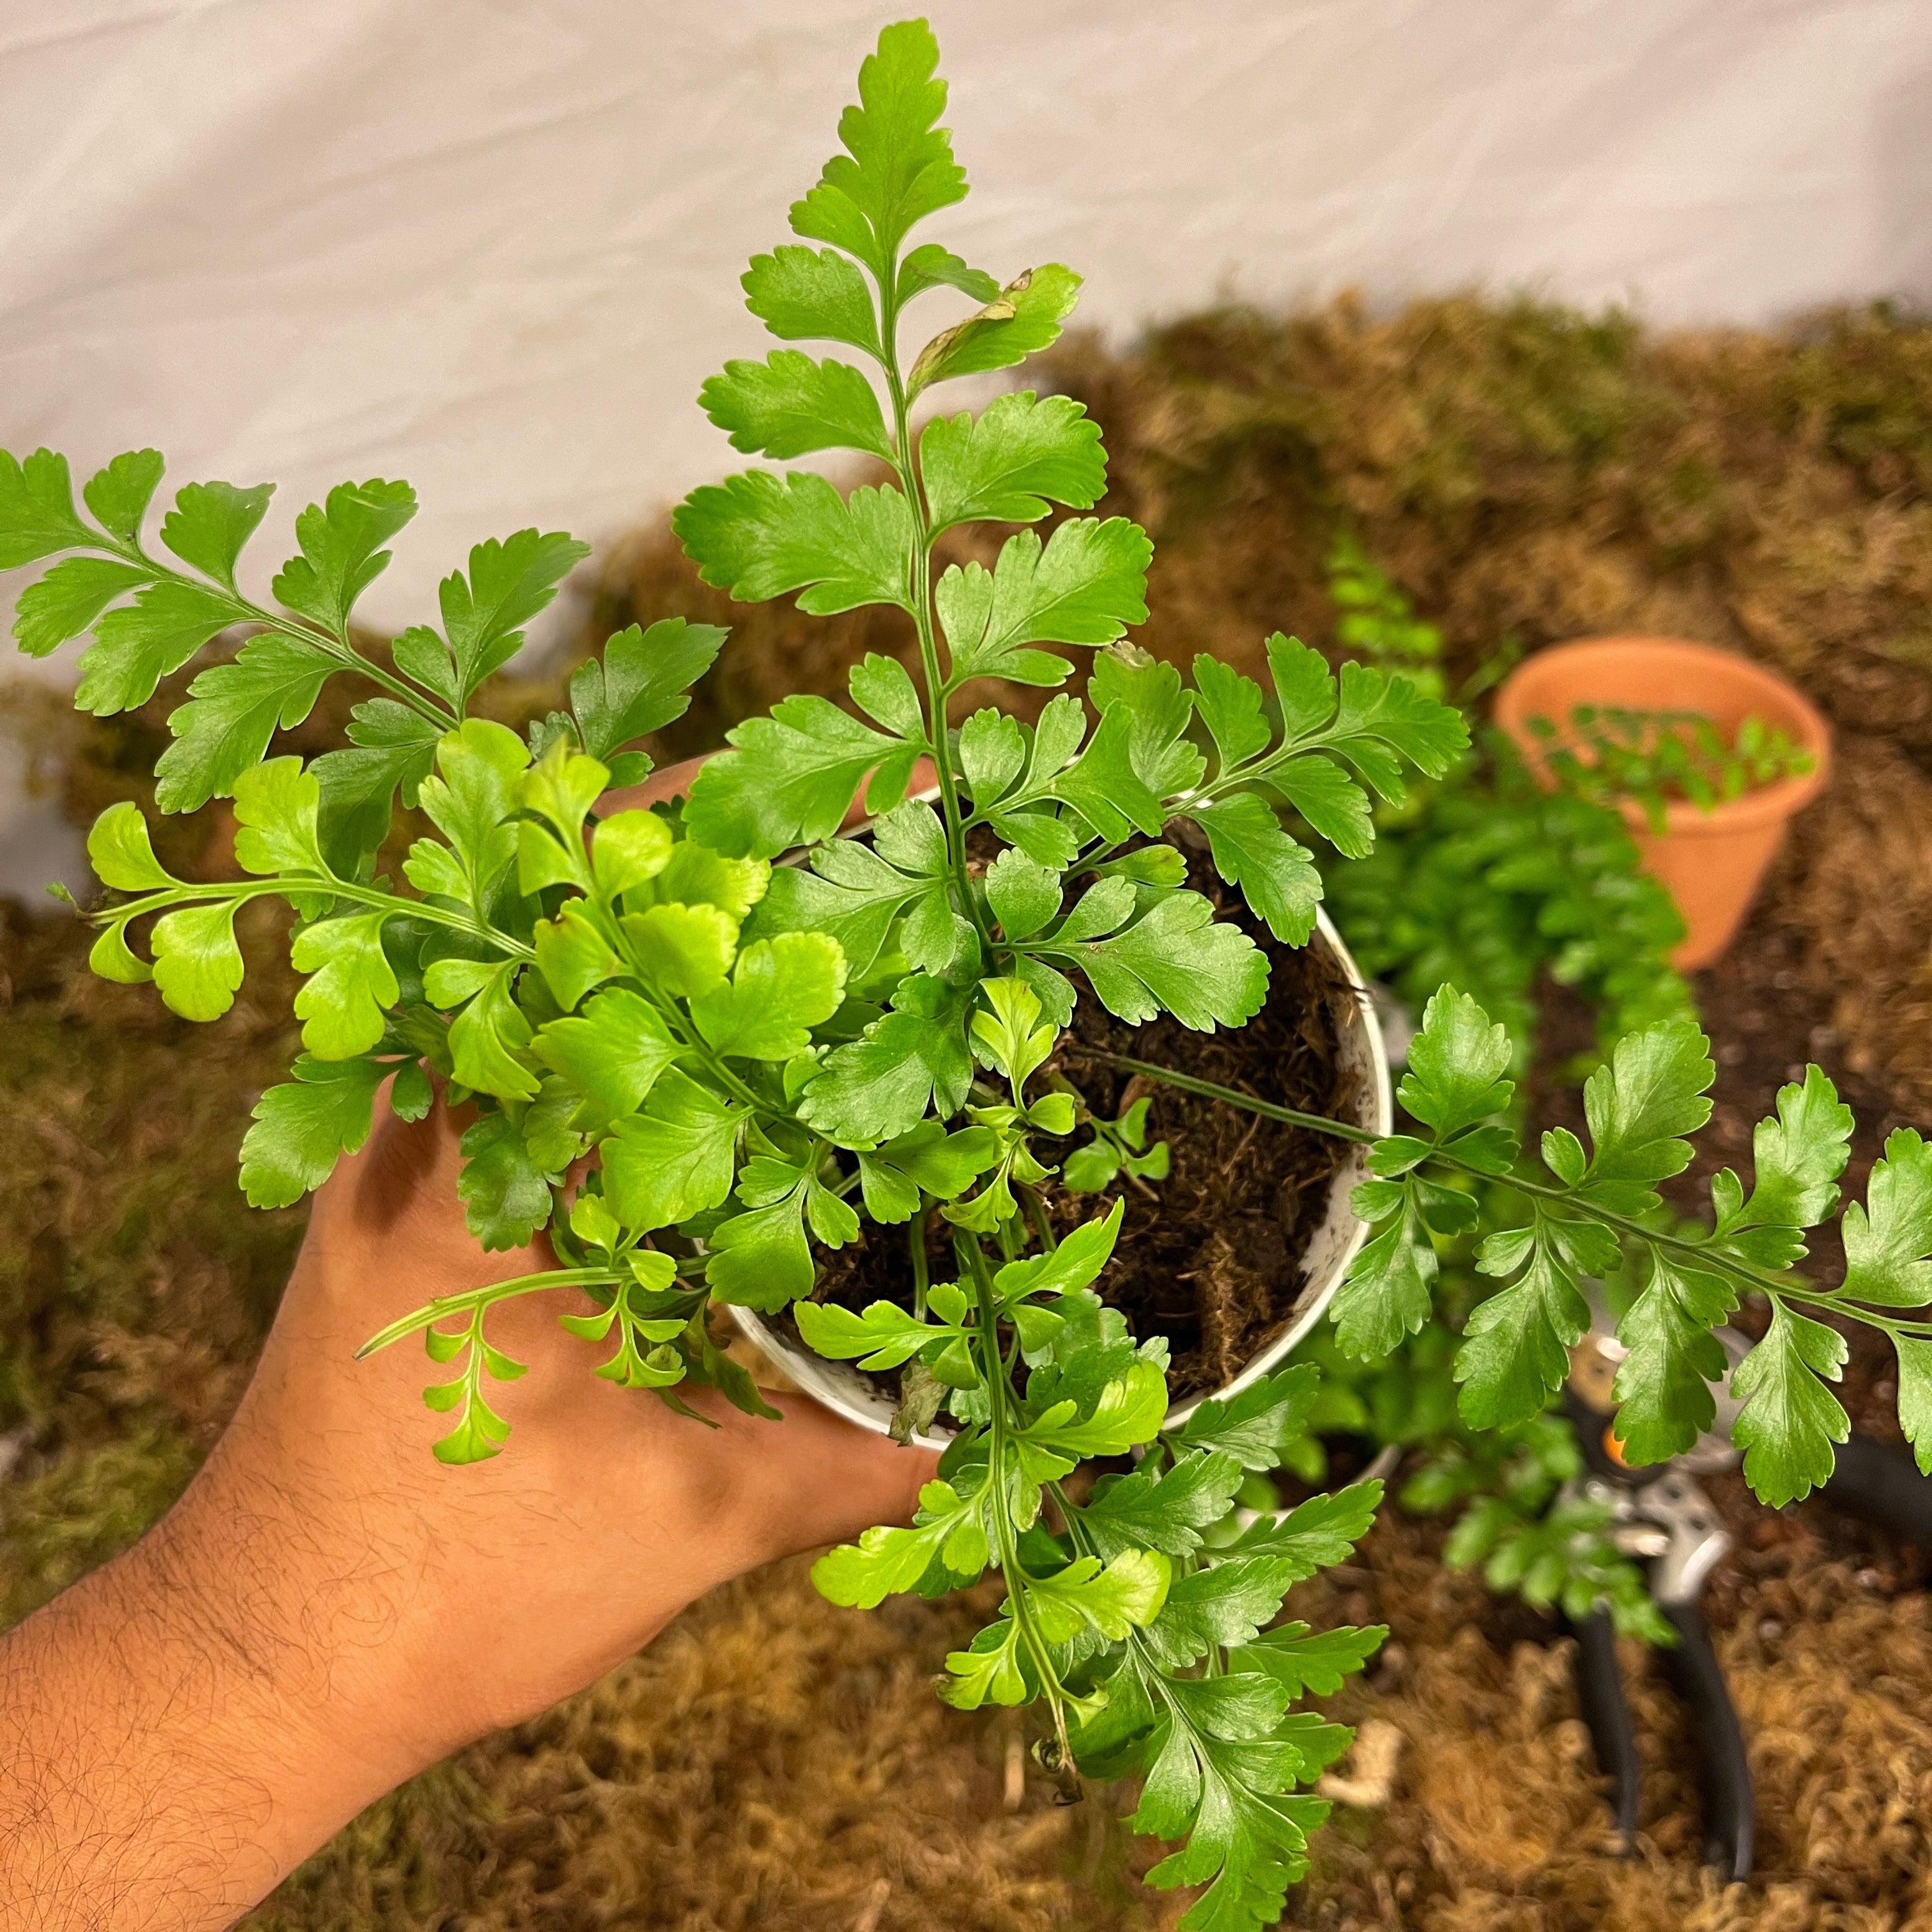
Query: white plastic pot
x=842, y=1387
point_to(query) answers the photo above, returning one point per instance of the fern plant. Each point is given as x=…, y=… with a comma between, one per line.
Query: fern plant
x=1508, y=1485
x=1610, y=752
x=1378, y=623
x=755, y=1056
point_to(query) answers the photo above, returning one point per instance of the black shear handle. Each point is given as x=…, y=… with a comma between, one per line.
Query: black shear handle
x=1729, y=1824
x=1880, y=1482
x=1600, y=1689
x=1729, y=1813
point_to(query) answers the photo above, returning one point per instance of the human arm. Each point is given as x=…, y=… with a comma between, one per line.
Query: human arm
x=327, y=1610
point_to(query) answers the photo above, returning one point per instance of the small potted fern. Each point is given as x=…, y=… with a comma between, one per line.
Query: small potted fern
x=1708, y=755
x=710, y=1079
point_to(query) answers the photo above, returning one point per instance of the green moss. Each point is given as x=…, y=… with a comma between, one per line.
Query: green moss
x=86, y=1506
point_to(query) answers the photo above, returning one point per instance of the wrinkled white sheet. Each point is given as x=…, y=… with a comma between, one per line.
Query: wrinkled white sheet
x=494, y=248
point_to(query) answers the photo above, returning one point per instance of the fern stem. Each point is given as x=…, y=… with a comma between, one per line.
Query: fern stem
x=296, y=885
x=921, y=1267
x=1036, y=1210
x=477, y=1299
x=919, y=587
x=345, y=653
x=1208, y=1090
x=1000, y=1390
x=1694, y=1254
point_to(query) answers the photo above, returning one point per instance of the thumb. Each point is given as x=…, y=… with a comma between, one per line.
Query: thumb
x=839, y=1480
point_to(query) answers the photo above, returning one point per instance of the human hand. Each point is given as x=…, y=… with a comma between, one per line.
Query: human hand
x=328, y=1610
x=458, y=1600
x=465, y=1599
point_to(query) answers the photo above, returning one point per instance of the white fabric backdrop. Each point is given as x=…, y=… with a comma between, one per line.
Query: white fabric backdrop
x=493, y=245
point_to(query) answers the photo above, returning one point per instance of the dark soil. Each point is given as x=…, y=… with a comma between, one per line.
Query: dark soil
x=1213, y=1261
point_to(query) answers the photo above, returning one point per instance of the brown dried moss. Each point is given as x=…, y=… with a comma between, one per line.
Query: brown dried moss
x=769, y=1762
x=1496, y=1821
x=1530, y=474
x=773, y=1762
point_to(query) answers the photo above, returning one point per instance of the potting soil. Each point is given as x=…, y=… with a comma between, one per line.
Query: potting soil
x=1211, y=1259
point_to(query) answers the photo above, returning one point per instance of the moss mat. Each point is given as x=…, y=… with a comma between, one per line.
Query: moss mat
x=772, y=1763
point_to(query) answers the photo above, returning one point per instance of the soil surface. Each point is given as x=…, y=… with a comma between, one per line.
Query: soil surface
x=1213, y=1261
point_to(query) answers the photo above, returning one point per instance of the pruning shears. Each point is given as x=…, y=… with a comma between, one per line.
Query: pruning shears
x=1662, y=1515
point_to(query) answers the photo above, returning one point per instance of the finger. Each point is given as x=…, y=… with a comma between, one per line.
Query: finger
x=655, y=790
x=675, y=779
x=922, y=777
x=397, y=1200
x=826, y=1479
x=394, y=1160
x=405, y=1166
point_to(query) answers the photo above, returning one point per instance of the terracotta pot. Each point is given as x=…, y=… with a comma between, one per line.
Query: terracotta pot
x=1712, y=861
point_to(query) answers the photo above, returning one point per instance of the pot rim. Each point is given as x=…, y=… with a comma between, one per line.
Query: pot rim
x=1380, y=1095
x=1770, y=805
x=813, y=1373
